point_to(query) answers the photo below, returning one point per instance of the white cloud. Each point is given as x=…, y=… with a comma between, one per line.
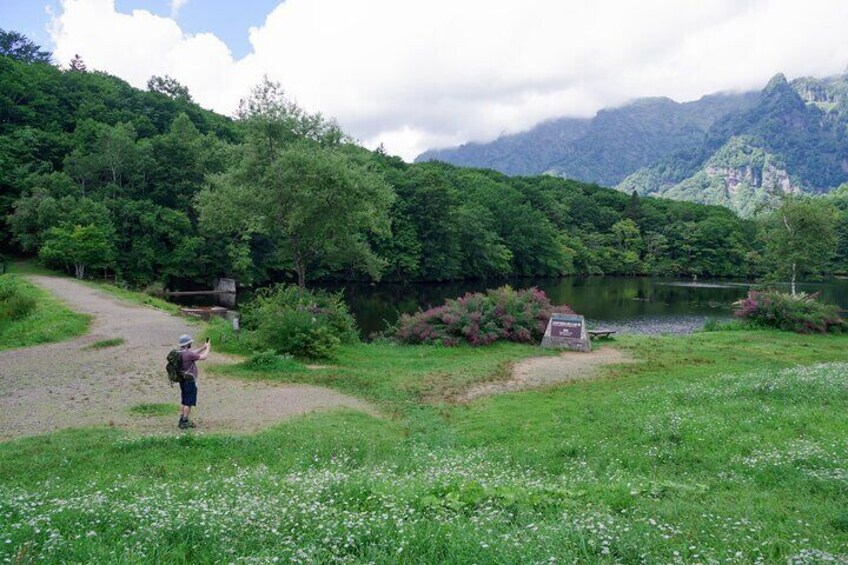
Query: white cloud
x=175, y=7
x=415, y=74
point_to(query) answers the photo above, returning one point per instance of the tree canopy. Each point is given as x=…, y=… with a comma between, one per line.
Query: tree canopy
x=19, y=47
x=800, y=238
x=282, y=194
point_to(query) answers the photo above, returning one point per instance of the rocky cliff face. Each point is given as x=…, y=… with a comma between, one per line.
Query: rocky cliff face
x=772, y=179
x=740, y=175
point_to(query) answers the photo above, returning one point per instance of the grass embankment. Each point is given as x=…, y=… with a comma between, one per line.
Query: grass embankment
x=31, y=267
x=136, y=297
x=719, y=447
x=32, y=316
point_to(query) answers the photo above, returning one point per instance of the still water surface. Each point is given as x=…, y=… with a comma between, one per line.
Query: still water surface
x=626, y=304
x=652, y=305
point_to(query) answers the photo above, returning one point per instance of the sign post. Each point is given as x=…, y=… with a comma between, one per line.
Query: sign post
x=567, y=331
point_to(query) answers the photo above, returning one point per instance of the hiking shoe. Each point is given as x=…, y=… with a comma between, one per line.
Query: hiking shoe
x=183, y=424
x=189, y=424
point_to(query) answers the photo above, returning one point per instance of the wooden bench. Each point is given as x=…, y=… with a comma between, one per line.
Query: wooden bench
x=600, y=333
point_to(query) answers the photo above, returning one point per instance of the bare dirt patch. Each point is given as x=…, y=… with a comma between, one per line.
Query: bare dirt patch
x=538, y=372
x=71, y=384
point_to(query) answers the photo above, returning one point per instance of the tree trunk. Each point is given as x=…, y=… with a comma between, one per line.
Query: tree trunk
x=79, y=269
x=301, y=274
x=793, y=278
x=300, y=261
x=789, y=231
x=299, y=268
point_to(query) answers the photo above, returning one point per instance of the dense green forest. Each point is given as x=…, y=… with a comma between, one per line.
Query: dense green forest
x=99, y=177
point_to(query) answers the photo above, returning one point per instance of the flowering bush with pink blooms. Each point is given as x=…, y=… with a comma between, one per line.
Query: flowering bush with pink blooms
x=801, y=313
x=481, y=319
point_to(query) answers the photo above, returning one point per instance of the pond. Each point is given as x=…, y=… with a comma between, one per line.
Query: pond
x=626, y=304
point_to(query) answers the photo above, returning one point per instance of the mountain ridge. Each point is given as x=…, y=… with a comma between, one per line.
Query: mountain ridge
x=592, y=148
x=794, y=139
x=719, y=149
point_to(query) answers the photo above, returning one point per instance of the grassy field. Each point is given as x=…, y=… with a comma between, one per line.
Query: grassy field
x=47, y=321
x=722, y=447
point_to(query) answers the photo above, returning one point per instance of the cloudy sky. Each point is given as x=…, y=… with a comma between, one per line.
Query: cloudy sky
x=416, y=74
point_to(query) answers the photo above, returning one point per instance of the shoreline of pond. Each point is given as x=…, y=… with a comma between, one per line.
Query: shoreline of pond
x=630, y=305
x=681, y=325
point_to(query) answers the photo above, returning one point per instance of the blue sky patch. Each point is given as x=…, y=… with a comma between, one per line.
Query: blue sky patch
x=226, y=19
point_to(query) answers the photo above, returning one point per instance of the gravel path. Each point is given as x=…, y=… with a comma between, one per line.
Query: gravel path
x=69, y=384
x=539, y=372
x=659, y=325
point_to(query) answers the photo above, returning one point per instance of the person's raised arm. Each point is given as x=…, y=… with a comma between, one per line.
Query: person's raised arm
x=205, y=350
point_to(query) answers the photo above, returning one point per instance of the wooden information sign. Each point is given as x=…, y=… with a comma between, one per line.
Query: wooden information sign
x=567, y=331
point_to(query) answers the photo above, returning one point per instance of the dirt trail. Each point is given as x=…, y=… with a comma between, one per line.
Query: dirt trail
x=61, y=385
x=538, y=372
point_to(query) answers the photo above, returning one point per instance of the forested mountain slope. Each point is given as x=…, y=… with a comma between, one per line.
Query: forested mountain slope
x=603, y=149
x=733, y=150
x=793, y=139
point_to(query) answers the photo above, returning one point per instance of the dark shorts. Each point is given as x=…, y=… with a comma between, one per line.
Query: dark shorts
x=188, y=392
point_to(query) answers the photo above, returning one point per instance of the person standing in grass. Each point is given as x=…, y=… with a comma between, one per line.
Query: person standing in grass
x=188, y=386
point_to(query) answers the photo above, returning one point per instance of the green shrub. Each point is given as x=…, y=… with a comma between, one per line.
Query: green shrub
x=14, y=303
x=270, y=361
x=296, y=321
x=225, y=339
x=801, y=313
x=156, y=289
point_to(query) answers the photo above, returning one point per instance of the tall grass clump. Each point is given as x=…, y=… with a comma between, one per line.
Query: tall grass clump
x=300, y=322
x=481, y=319
x=15, y=302
x=801, y=313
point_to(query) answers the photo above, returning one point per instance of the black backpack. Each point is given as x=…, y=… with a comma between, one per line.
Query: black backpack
x=174, y=367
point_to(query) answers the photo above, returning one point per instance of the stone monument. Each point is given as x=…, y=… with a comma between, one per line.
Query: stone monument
x=225, y=290
x=567, y=331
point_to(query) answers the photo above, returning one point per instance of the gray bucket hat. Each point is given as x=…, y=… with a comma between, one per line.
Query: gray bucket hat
x=185, y=339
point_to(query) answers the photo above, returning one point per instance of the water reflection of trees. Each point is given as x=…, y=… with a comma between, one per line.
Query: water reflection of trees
x=599, y=298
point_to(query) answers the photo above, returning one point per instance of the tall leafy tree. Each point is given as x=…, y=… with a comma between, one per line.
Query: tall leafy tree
x=273, y=120
x=105, y=156
x=316, y=205
x=628, y=243
x=18, y=46
x=799, y=237
x=77, y=64
x=169, y=86
x=179, y=169
x=295, y=192
x=79, y=247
